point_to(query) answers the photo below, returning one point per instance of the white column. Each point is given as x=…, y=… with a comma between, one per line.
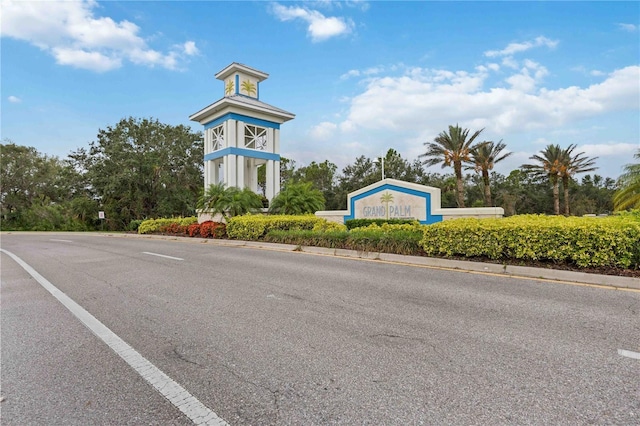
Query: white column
x=240, y=171
x=276, y=141
x=230, y=133
x=270, y=139
x=230, y=170
x=254, y=176
x=276, y=178
x=215, y=167
x=269, y=190
x=210, y=175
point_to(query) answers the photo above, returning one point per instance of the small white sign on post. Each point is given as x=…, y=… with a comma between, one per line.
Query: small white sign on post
x=100, y=215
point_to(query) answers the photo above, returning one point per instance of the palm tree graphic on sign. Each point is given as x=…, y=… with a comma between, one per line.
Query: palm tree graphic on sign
x=229, y=87
x=248, y=87
x=387, y=198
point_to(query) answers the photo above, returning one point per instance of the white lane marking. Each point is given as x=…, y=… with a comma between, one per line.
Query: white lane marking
x=176, y=394
x=161, y=255
x=629, y=354
x=60, y=241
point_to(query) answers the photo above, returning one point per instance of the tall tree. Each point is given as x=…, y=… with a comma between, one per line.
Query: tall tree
x=483, y=157
x=451, y=148
x=322, y=176
x=551, y=162
x=141, y=168
x=573, y=164
x=628, y=196
x=354, y=176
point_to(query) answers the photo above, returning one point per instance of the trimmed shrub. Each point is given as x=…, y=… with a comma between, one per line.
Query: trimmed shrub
x=327, y=226
x=174, y=229
x=210, y=229
x=388, y=238
x=359, y=223
x=255, y=227
x=151, y=226
x=582, y=241
x=193, y=230
x=134, y=225
x=328, y=239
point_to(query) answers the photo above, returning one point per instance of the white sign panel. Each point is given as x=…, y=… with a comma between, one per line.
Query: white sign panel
x=100, y=215
x=390, y=204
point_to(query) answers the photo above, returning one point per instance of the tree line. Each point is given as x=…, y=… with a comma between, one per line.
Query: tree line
x=141, y=168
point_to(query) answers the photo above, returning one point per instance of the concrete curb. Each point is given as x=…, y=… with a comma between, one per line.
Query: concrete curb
x=430, y=262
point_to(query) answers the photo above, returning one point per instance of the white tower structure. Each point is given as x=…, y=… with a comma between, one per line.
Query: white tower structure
x=242, y=133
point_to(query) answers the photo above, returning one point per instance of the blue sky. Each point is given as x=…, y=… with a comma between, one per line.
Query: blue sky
x=361, y=77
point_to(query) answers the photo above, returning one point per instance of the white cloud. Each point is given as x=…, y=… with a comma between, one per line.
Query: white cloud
x=319, y=27
x=190, y=48
x=423, y=99
x=609, y=149
x=14, y=99
x=597, y=73
x=366, y=72
x=632, y=28
x=71, y=33
x=349, y=74
x=323, y=131
x=521, y=47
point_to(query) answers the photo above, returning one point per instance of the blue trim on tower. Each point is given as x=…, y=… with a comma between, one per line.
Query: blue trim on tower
x=243, y=118
x=431, y=218
x=251, y=153
x=237, y=84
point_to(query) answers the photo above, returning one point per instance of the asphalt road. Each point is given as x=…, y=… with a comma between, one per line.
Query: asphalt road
x=266, y=337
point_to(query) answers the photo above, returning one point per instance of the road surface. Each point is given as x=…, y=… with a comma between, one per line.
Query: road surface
x=259, y=337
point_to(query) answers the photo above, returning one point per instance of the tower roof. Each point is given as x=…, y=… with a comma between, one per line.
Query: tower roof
x=233, y=67
x=242, y=104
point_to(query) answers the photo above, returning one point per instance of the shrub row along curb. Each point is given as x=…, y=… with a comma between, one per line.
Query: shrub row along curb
x=576, y=241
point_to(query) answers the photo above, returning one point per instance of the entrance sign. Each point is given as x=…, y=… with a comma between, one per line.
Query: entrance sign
x=394, y=199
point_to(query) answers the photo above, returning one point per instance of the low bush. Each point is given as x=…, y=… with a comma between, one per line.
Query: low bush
x=255, y=227
x=193, y=230
x=388, y=238
x=151, y=226
x=134, y=225
x=582, y=241
x=397, y=239
x=210, y=229
x=174, y=229
x=328, y=239
x=359, y=223
x=327, y=226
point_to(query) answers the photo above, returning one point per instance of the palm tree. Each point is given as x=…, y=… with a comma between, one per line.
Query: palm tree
x=228, y=202
x=628, y=196
x=484, y=156
x=551, y=161
x=297, y=198
x=451, y=149
x=573, y=164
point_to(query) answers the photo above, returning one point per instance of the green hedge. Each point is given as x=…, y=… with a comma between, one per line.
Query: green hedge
x=359, y=223
x=255, y=227
x=150, y=226
x=584, y=241
x=397, y=239
x=328, y=239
